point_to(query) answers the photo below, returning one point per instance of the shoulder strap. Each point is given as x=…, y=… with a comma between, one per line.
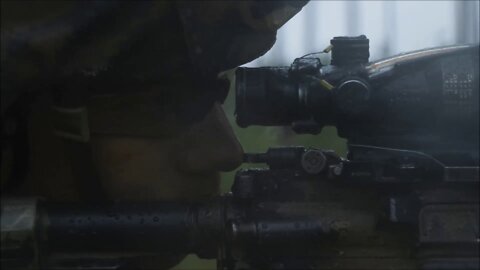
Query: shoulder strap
x=71, y=124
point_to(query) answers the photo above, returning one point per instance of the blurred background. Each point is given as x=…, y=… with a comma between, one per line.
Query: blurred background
x=392, y=26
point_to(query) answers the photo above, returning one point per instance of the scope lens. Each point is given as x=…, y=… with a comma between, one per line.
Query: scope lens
x=267, y=96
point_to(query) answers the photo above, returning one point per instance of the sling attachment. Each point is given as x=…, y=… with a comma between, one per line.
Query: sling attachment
x=71, y=124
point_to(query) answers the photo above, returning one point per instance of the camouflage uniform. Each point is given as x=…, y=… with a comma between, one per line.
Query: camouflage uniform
x=110, y=57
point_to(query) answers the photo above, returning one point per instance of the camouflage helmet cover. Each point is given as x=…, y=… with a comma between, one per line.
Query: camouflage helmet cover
x=145, y=42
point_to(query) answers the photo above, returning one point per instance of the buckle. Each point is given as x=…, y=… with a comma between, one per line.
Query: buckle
x=71, y=123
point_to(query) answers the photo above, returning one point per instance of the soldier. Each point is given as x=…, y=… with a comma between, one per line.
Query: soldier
x=120, y=101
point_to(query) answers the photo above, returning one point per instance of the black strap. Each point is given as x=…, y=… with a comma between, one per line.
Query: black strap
x=71, y=123
x=84, y=171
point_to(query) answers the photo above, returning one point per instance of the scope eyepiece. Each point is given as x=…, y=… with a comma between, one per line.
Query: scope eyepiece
x=268, y=97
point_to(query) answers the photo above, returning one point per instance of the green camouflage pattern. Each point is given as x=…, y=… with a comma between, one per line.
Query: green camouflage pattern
x=151, y=42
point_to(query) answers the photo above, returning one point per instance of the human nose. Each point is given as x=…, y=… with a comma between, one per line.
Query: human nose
x=211, y=145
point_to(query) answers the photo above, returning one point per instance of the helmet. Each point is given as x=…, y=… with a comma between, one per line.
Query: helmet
x=124, y=43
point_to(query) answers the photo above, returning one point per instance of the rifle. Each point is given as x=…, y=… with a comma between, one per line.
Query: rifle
x=405, y=197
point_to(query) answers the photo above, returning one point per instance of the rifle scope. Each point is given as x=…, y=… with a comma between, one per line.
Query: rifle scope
x=416, y=100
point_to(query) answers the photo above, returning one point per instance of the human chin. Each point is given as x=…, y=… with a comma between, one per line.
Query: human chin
x=198, y=186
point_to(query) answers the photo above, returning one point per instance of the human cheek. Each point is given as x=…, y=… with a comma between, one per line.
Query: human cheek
x=210, y=145
x=135, y=168
x=138, y=169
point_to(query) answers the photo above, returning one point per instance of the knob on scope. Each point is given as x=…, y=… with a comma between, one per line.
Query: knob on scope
x=348, y=51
